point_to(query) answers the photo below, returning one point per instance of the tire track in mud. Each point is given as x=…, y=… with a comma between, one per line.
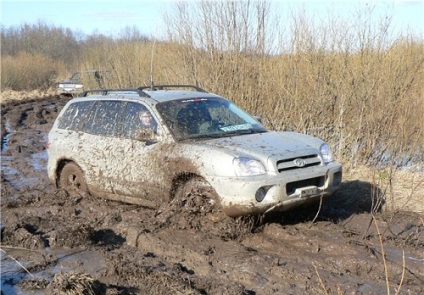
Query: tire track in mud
x=127, y=250
x=25, y=125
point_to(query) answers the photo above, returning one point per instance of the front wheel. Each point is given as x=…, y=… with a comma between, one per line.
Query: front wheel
x=197, y=196
x=72, y=177
x=193, y=198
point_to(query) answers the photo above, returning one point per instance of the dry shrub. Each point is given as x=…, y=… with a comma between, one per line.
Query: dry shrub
x=166, y=283
x=355, y=86
x=130, y=63
x=27, y=71
x=366, y=104
x=34, y=284
x=71, y=283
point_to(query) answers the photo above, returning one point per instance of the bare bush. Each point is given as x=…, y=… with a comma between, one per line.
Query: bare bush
x=351, y=84
x=55, y=43
x=27, y=71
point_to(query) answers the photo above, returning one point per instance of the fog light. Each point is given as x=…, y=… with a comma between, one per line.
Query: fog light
x=260, y=194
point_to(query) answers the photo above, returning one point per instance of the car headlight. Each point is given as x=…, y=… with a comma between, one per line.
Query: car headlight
x=244, y=166
x=326, y=153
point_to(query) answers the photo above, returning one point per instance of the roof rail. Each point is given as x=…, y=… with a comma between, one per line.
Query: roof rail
x=161, y=87
x=106, y=91
x=139, y=90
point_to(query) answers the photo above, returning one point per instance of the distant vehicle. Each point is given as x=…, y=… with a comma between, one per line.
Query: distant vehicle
x=75, y=86
x=201, y=144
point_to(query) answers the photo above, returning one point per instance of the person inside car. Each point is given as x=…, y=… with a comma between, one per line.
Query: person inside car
x=147, y=121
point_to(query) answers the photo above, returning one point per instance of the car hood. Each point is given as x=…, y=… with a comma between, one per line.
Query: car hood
x=265, y=145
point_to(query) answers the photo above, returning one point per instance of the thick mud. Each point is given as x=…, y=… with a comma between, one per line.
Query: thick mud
x=59, y=242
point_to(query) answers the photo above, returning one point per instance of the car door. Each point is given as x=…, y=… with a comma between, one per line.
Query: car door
x=136, y=170
x=100, y=139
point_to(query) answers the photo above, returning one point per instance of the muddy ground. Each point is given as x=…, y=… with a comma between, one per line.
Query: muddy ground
x=59, y=242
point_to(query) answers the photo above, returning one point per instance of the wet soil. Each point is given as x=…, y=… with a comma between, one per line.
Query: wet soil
x=59, y=242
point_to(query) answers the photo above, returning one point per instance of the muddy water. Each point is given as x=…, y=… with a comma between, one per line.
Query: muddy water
x=116, y=248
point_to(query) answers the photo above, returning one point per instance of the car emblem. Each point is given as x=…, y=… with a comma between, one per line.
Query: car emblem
x=299, y=162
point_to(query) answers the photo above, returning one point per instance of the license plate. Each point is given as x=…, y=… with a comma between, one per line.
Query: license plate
x=308, y=192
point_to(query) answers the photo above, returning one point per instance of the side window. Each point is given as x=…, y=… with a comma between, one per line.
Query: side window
x=105, y=118
x=75, y=115
x=137, y=117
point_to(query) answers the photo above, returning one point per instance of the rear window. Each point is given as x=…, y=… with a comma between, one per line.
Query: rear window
x=75, y=115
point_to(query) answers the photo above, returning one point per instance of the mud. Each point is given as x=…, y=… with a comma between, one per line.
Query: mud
x=59, y=242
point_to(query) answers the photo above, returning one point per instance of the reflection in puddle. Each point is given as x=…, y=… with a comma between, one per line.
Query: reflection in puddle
x=5, y=139
x=11, y=274
x=82, y=260
x=39, y=161
x=6, y=166
x=17, y=179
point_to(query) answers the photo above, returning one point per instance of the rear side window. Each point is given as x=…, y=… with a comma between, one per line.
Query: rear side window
x=105, y=118
x=75, y=115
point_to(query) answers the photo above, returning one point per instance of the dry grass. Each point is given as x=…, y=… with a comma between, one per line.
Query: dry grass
x=71, y=283
x=9, y=95
x=27, y=71
x=402, y=190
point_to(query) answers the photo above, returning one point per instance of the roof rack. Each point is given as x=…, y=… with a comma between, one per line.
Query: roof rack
x=139, y=90
x=161, y=87
x=106, y=91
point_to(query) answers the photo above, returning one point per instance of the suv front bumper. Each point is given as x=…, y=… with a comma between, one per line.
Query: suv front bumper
x=279, y=192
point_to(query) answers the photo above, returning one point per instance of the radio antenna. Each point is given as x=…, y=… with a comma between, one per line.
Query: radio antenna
x=152, y=85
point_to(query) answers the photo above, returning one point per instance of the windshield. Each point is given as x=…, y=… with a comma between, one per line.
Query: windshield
x=207, y=118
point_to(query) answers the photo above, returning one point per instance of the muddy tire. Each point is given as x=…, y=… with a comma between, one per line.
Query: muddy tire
x=200, y=209
x=197, y=196
x=72, y=178
x=194, y=202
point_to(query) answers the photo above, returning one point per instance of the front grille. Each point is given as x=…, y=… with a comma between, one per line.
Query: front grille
x=316, y=181
x=289, y=164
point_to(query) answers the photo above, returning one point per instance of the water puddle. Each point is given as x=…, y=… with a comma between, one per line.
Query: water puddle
x=16, y=178
x=80, y=261
x=5, y=139
x=11, y=274
x=39, y=161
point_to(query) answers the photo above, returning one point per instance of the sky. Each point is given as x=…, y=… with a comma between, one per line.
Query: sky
x=111, y=16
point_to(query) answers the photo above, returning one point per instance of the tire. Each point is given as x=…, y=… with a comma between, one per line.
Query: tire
x=197, y=196
x=202, y=210
x=72, y=178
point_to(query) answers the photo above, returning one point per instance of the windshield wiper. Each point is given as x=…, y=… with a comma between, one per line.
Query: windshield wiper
x=226, y=134
x=243, y=132
x=213, y=135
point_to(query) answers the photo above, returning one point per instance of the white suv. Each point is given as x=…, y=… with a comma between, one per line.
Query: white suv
x=152, y=144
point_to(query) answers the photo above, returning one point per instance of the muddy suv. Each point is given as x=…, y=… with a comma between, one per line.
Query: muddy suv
x=152, y=145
